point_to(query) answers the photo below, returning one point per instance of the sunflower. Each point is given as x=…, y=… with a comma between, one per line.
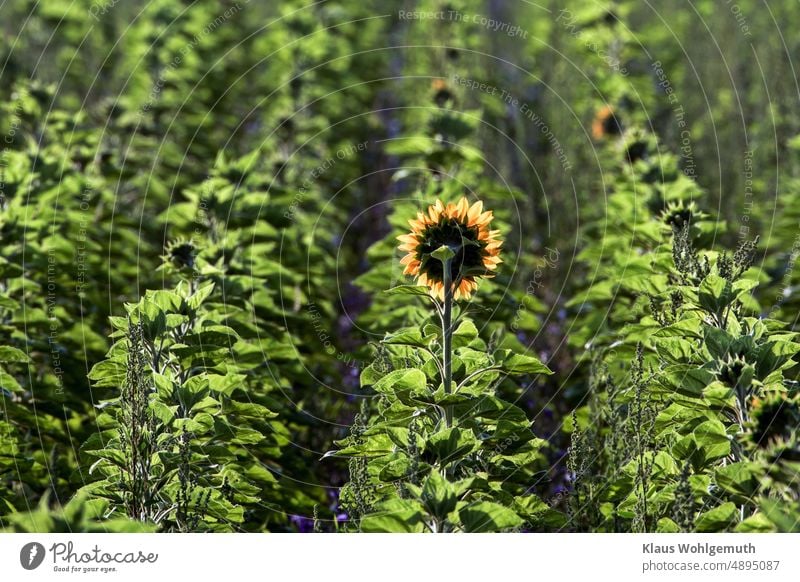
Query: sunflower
x=774, y=419
x=181, y=253
x=678, y=214
x=462, y=228
x=605, y=123
x=441, y=92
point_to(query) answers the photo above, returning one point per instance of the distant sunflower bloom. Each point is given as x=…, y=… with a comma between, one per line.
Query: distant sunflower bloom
x=441, y=92
x=462, y=228
x=605, y=123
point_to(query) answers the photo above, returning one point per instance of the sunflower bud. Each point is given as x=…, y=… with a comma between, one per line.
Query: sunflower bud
x=181, y=254
x=677, y=215
x=734, y=371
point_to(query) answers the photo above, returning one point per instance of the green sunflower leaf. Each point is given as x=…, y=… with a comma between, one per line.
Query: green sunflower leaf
x=407, y=290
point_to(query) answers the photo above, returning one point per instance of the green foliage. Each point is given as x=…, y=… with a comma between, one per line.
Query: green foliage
x=201, y=291
x=694, y=458
x=440, y=458
x=187, y=443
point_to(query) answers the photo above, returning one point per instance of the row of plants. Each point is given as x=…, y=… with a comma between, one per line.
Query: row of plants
x=685, y=388
x=205, y=297
x=689, y=423
x=164, y=287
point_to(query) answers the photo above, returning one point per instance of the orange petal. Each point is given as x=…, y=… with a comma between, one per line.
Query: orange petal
x=465, y=288
x=411, y=269
x=436, y=289
x=485, y=218
x=474, y=213
x=435, y=211
x=462, y=208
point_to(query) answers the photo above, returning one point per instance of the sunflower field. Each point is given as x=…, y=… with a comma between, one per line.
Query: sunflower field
x=399, y=266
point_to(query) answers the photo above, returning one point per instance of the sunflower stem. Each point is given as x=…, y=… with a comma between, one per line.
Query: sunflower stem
x=447, y=334
x=445, y=254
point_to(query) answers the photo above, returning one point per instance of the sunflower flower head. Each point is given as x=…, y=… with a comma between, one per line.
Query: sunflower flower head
x=181, y=253
x=774, y=420
x=441, y=92
x=462, y=228
x=605, y=123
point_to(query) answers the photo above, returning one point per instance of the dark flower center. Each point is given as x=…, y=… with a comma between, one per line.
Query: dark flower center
x=775, y=420
x=462, y=240
x=679, y=217
x=611, y=125
x=183, y=255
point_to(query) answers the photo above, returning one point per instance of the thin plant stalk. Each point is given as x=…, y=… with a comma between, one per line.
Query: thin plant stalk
x=447, y=334
x=445, y=254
